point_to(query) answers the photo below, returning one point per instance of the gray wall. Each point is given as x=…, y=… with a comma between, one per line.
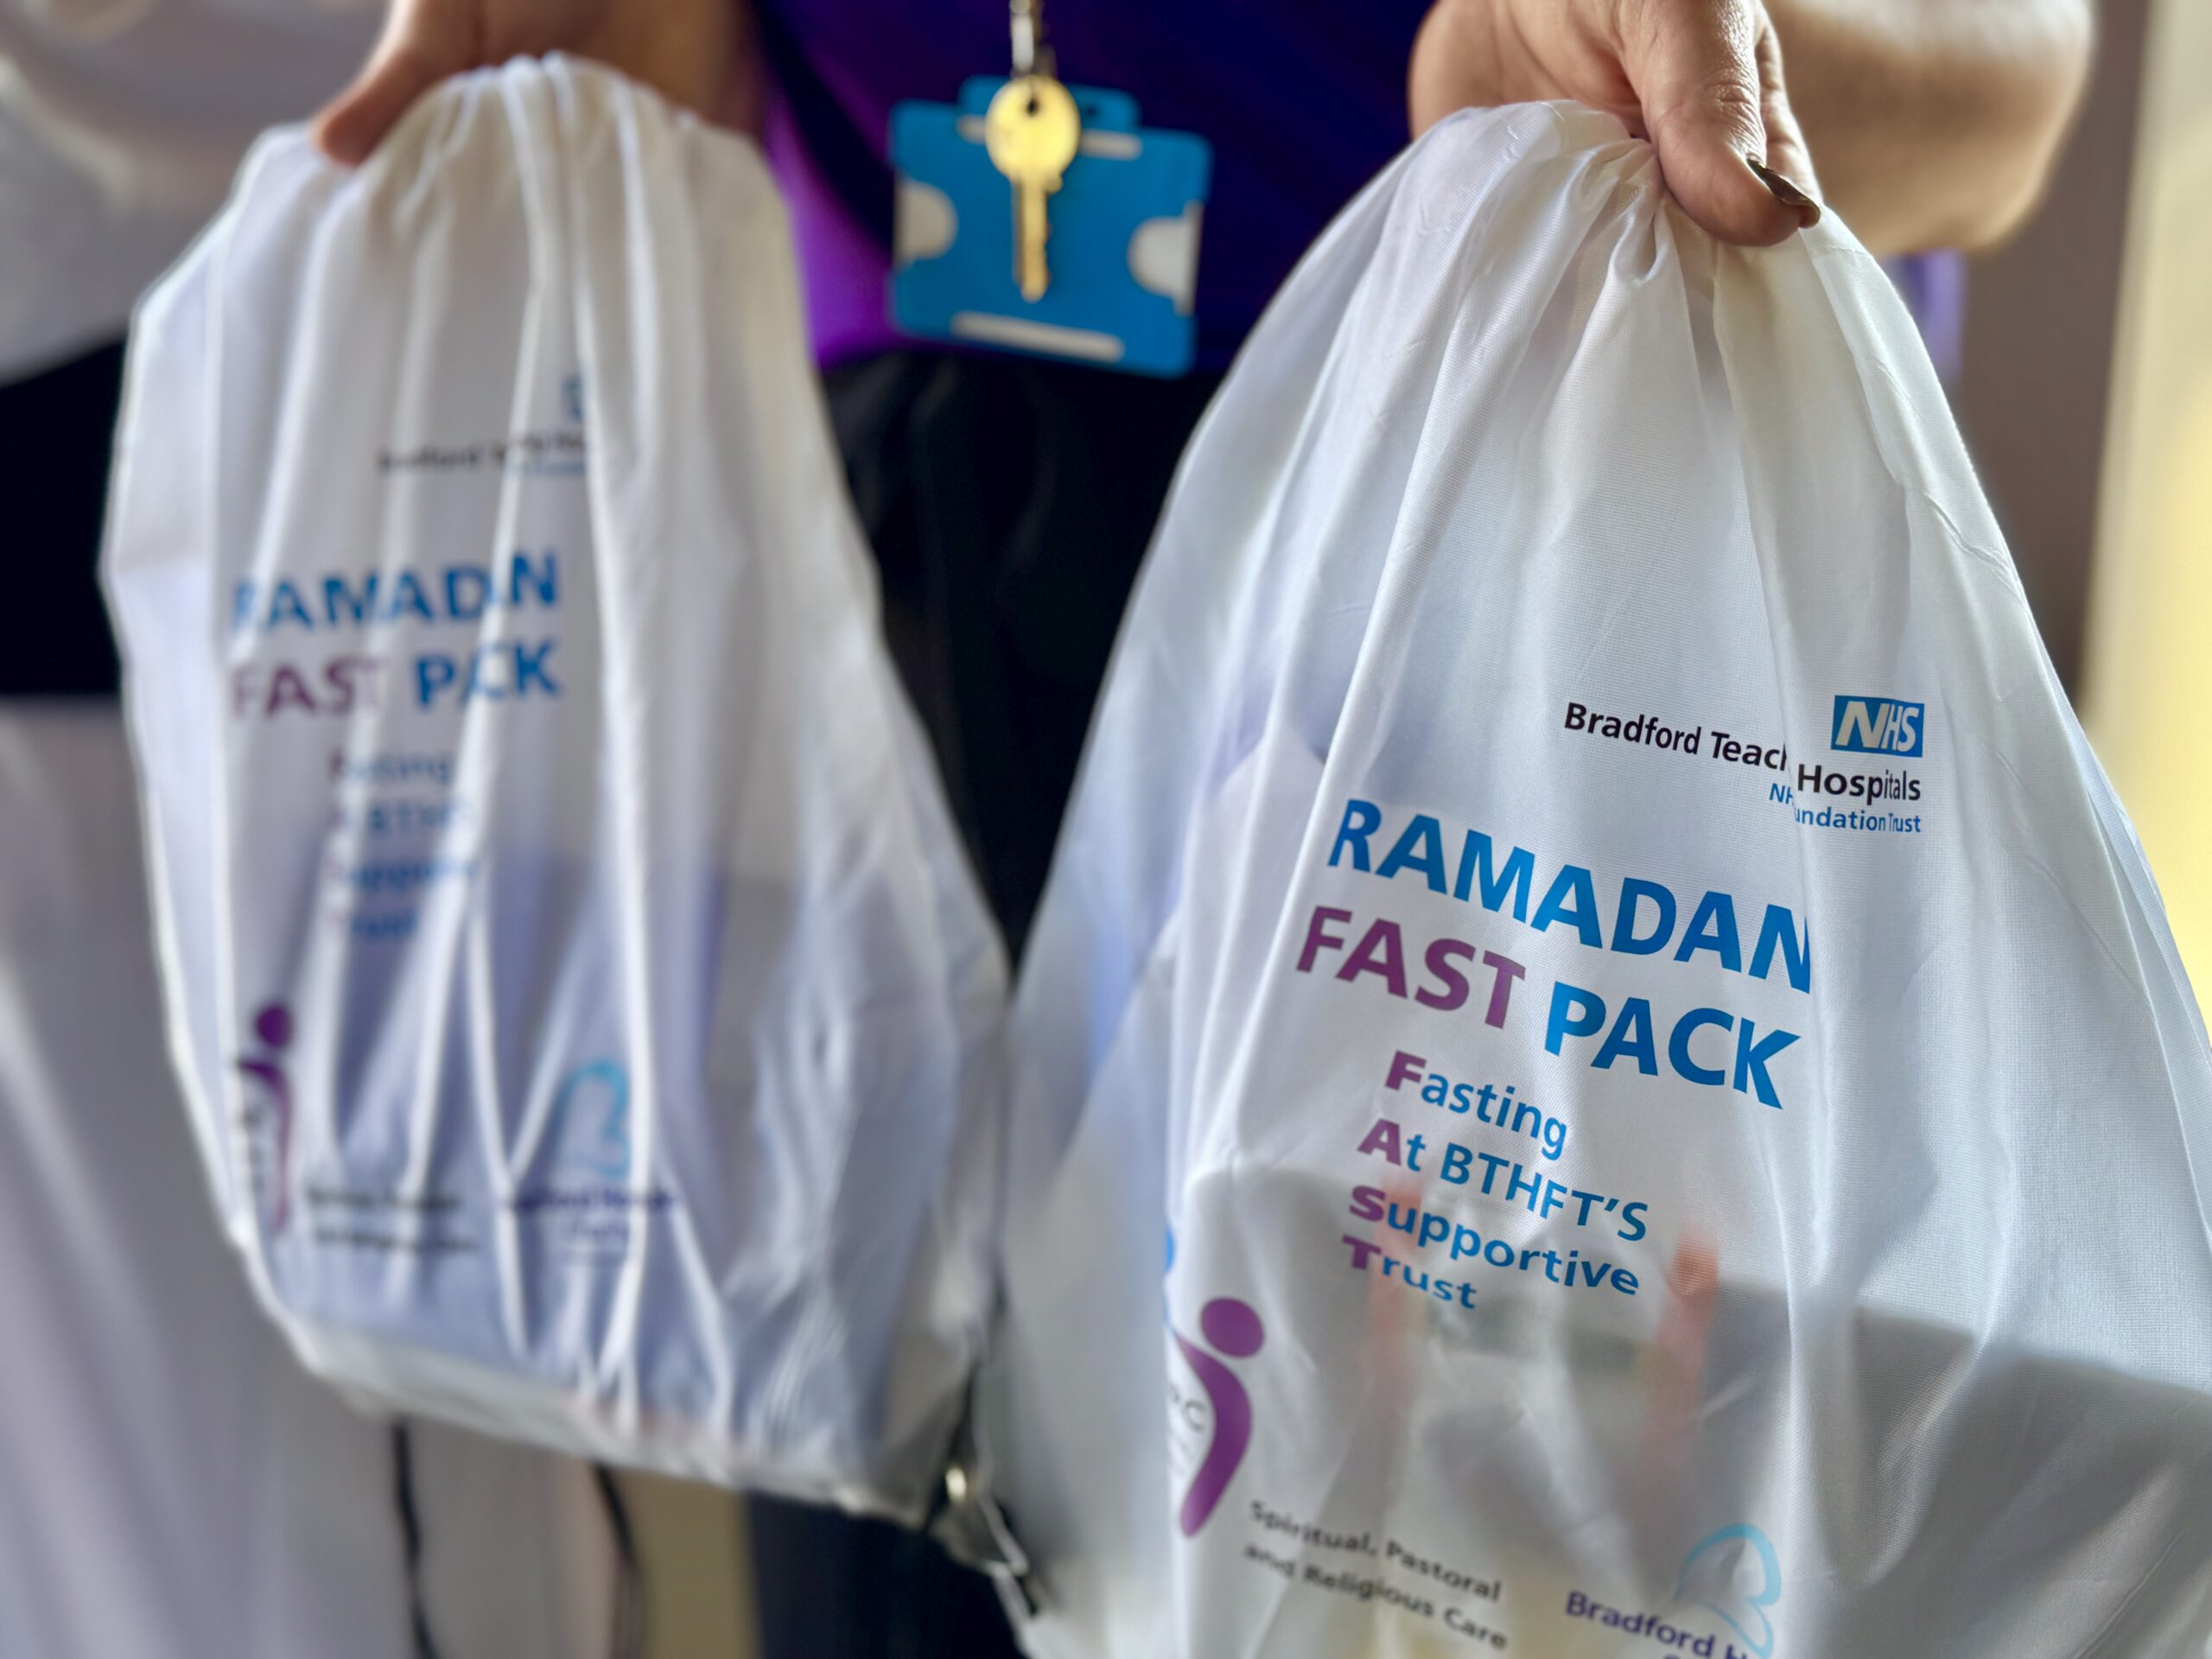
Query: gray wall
x=2037, y=368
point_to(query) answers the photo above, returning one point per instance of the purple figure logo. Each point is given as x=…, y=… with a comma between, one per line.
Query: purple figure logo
x=273, y=1026
x=1232, y=1328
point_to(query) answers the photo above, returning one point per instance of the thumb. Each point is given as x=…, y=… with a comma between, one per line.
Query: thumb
x=1708, y=76
x=423, y=43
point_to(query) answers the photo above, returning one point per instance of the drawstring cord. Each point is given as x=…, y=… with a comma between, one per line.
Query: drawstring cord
x=410, y=1540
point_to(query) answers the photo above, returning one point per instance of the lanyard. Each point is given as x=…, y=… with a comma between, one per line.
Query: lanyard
x=1023, y=166
x=1033, y=56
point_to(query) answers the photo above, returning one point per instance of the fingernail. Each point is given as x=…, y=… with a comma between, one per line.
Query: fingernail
x=1808, y=210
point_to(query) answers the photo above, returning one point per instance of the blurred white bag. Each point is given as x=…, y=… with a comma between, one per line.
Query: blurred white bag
x=585, y=1009
x=1590, y=939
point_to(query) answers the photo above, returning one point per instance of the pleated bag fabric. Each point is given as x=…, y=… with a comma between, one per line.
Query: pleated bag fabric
x=1590, y=949
x=588, y=1020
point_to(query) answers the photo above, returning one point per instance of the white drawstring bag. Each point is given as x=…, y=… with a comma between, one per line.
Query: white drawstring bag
x=1591, y=944
x=587, y=1017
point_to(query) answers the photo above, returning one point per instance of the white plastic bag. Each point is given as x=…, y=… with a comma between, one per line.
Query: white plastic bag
x=1590, y=938
x=584, y=1007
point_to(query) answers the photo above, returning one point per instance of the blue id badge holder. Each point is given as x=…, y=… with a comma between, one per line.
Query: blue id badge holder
x=1123, y=241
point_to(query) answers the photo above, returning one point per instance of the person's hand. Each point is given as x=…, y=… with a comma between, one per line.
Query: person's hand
x=1701, y=79
x=687, y=50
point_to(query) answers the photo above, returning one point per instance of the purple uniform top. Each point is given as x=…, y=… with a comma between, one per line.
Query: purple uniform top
x=1303, y=100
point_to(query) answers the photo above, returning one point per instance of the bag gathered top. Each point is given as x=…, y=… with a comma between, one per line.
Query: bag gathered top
x=1591, y=952
x=589, y=1021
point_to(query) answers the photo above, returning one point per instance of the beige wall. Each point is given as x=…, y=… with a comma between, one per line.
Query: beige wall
x=698, y=1581
x=2147, y=695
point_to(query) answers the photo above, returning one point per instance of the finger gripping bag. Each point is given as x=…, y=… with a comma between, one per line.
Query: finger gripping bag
x=587, y=1019
x=1590, y=949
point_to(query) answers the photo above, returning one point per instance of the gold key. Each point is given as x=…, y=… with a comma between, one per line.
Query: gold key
x=1031, y=130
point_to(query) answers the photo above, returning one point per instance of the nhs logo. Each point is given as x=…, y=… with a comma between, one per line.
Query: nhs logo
x=1877, y=726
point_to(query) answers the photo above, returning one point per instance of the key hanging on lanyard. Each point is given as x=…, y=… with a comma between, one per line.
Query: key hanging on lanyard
x=1031, y=131
x=1115, y=203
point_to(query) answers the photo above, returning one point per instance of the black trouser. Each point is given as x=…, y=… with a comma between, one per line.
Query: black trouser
x=1009, y=503
x=56, y=432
